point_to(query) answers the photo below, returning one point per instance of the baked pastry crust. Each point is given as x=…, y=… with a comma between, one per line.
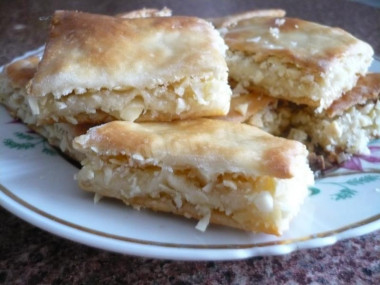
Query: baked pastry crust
x=227, y=173
x=210, y=144
x=155, y=68
x=296, y=60
x=366, y=89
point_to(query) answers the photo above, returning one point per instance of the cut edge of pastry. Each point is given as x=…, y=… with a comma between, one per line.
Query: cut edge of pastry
x=333, y=136
x=13, y=96
x=185, y=99
x=59, y=92
x=276, y=59
x=269, y=207
x=260, y=203
x=277, y=78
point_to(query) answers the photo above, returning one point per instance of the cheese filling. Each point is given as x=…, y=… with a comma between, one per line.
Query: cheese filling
x=270, y=200
x=286, y=80
x=349, y=132
x=14, y=99
x=210, y=96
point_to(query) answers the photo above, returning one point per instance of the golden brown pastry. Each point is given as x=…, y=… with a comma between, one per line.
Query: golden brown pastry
x=366, y=89
x=98, y=68
x=213, y=170
x=295, y=60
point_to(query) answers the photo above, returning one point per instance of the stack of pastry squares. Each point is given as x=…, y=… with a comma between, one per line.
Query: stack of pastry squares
x=304, y=81
x=147, y=97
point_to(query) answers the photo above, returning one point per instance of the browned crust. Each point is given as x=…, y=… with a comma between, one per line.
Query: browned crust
x=367, y=88
x=21, y=71
x=330, y=42
x=99, y=46
x=216, y=141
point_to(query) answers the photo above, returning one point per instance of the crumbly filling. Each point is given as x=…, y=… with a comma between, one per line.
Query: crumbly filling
x=348, y=133
x=179, y=98
x=272, y=121
x=285, y=80
x=58, y=134
x=270, y=200
x=14, y=99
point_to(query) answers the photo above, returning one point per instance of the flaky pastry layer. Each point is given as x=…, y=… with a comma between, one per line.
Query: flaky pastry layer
x=216, y=146
x=187, y=98
x=337, y=133
x=260, y=204
x=213, y=170
x=154, y=68
x=296, y=60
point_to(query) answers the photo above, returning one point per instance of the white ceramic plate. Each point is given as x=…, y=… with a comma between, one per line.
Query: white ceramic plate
x=37, y=185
